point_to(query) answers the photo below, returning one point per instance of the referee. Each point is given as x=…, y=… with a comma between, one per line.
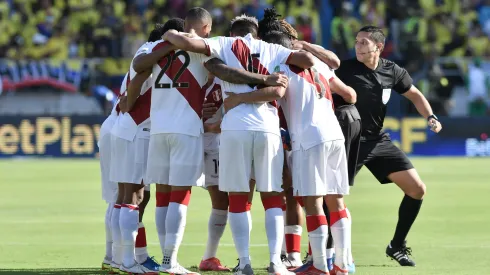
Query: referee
x=373, y=78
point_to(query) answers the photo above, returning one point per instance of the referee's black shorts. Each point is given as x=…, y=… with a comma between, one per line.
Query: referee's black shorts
x=382, y=158
x=350, y=122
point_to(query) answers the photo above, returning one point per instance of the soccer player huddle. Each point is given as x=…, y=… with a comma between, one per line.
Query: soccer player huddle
x=253, y=111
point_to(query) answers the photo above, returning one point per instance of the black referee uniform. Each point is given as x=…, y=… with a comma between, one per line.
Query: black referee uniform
x=373, y=88
x=376, y=151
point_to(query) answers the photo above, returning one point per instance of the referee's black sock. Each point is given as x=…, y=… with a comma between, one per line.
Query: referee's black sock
x=409, y=209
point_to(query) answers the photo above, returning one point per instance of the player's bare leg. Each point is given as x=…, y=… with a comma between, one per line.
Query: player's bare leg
x=341, y=233
x=116, y=231
x=216, y=227
x=410, y=183
x=174, y=229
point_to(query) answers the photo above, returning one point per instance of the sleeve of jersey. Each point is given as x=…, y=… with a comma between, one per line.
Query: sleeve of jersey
x=403, y=81
x=215, y=46
x=281, y=54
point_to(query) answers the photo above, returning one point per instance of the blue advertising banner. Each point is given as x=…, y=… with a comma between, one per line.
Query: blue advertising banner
x=76, y=136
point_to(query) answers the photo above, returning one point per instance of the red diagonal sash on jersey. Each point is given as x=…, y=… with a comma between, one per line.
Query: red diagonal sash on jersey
x=214, y=95
x=141, y=109
x=312, y=78
x=193, y=93
x=248, y=62
x=128, y=80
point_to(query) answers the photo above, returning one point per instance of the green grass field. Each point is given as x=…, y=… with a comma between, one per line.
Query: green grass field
x=51, y=220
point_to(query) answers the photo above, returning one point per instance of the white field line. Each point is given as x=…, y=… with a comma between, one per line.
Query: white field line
x=481, y=246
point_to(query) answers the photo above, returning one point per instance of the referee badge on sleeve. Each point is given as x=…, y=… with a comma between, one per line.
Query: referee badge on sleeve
x=386, y=95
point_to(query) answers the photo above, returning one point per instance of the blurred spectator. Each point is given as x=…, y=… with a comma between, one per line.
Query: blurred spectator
x=478, y=83
x=344, y=28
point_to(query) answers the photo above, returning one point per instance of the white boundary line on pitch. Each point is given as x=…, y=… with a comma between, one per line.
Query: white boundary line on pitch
x=483, y=246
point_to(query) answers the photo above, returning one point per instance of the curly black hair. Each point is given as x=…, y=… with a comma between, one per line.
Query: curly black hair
x=270, y=22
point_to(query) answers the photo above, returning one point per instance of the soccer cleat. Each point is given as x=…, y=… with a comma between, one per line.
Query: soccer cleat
x=351, y=268
x=237, y=267
x=247, y=270
x=151, y=265
x=212, y=264
x=290, y=264
x=278, y=270
x=106, y=264
x=338, y=271
x=307, y=262
x=311, y=270
x=135, y=269
x=176, y=270
x=330, y=262
x=114, y=268
x=400, y=254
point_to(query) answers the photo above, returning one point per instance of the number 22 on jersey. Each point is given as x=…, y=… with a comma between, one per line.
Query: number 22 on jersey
x=174, y=68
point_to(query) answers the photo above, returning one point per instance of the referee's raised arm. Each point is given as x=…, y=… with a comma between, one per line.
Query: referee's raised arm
x=374, y=78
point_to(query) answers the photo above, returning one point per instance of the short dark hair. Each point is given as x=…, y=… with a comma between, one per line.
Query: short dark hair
x=243, y=25
x=277, y=37
x=174, y=24
x=198, y=14
x=156, y=33
x=270, y=22
x=377, y=34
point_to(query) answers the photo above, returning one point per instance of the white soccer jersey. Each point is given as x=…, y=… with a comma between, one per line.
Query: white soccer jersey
x=255, y=56
x=137, y=121
x=177, y=92
x=213, y=95
x=308, y=106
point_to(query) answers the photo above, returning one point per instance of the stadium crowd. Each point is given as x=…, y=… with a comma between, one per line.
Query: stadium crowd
x=114, y=29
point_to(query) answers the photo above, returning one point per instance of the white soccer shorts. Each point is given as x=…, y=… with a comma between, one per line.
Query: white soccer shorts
x=176, y=160
x=128, y=160
x=321, y=170
x=211, y=169
x=109, y=188
x=239, y=150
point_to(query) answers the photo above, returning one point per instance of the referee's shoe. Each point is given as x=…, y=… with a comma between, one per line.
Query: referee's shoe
x=400, y=254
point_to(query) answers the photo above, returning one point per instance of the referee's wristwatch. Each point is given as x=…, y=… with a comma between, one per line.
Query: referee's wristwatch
x=432, y=116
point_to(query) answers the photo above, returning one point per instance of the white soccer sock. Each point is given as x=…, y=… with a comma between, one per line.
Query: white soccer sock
x=284, y=250
x=140, y=250
x=240, y=224
x=116, y=235
x=274, y=227
x=108, y=233
x=128, y=222
x=175, y=225
x=318, y=233
x=350, y=259
x=341, y=234
x=293, y=241
x=162, y=200
x=216, y=227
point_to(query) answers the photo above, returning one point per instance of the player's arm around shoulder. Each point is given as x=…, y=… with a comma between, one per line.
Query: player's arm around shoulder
x=346, y=92
x=302, y=59
x=184, y=42
x=326, y=56
x=145, y=59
